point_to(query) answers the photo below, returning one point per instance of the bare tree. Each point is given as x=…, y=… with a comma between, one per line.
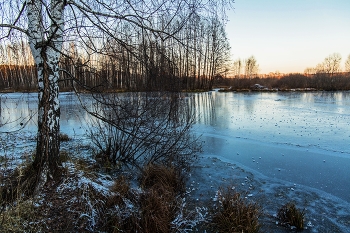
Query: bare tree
x=331, y=64
x=251, y=67
x=48, y=24
x=220, y=51
x=237, y=68
x=347, y=64
x=310, y=71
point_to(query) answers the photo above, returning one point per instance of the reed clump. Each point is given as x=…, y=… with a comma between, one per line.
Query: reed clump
x=235, y=214
x=158, y=176
x=290, y=215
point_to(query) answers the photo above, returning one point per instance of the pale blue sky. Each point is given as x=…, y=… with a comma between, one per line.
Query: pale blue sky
x=289, y=35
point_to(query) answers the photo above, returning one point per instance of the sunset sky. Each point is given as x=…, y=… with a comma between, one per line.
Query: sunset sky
x=289, y=35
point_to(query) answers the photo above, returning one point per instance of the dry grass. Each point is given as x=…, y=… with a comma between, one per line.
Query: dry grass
x=89, y=170
x=64, y=156
x=65, y=205
x=121, y=185
x=69, y=206
x=158, y=210
x=157, y=205
x=81, y=204
x=290, y=215
x=121, y=190
x=234, y=214
x=19, y=183
x=64, y=137
x=19, y=211
x=19, y=217
x=160, y=176
x=152, y=213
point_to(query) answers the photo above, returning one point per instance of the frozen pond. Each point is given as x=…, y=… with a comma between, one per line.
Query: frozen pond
x=303, y=138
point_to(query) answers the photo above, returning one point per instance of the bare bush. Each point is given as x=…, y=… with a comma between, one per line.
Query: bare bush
x=142, y=128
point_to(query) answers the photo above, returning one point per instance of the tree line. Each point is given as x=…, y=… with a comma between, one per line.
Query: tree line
x=145, y=61
x=297, y=81
x=247, y=68
x=326, y=75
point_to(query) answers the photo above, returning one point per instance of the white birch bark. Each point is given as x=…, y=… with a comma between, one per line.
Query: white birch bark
x=46, y=43
x=35, y=37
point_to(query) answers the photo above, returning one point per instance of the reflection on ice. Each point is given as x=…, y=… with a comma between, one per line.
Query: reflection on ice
x=303, y=138
x=293, y=133
x=318, y=120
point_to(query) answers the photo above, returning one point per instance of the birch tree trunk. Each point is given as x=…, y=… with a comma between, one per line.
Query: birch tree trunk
x=46, y=46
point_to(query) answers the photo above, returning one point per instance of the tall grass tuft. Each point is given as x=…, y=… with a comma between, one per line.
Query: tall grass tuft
x=151, y=210
x=234, y=214
x=290, y=215
x=158, y=210
x=121, y=185
x=159, y=176
x=17, y=213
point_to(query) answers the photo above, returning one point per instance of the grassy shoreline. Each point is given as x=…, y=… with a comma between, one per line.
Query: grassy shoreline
x=90, y=198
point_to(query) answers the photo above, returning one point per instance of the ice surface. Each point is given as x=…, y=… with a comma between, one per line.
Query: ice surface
x=302, y=138
x=293, y=145
x=299, y=137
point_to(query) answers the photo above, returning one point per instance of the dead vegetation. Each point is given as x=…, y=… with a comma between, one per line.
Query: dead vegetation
x=64, y=137
x=235, y=214
x=17, y=184
x=289, y=215
x=159, y=204
x=19, y=216
x=156, y=176
x=155, y=207
x=89, y=201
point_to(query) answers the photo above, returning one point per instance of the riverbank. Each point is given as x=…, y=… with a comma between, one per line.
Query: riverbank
x=85, y=195
x=261, y=88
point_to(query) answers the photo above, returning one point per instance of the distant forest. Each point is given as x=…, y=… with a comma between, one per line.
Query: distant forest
x=200, y=62
x=326, y=76
x=297, y=81
x=23, y=78
x=143, y=61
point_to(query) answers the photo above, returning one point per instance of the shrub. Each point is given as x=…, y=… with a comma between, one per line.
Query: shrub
x=289, y=215
x=136, y=129
x=234, y=214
